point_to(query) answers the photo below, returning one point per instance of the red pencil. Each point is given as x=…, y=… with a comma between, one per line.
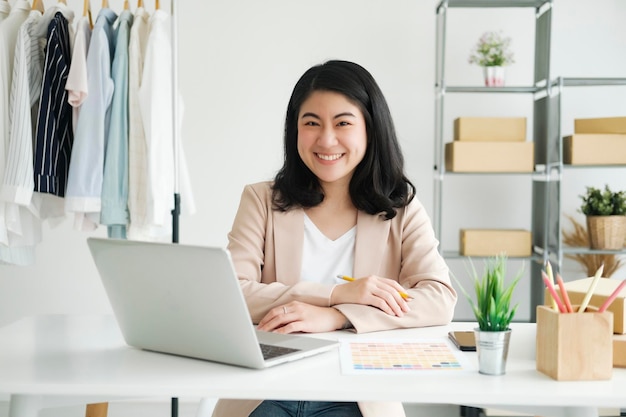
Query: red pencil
x=566, y=301
x=612, y=297
x=555, y=296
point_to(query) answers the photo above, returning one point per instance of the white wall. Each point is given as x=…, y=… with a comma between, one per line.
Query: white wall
x=238, y=62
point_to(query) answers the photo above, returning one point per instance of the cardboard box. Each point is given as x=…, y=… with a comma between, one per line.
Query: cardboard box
x=574, y=347
x=506, y=129
x=576, y=291
x=594, y=149
x=491, y=242
x=600, y=125
x=619, y=350
x=489, y=156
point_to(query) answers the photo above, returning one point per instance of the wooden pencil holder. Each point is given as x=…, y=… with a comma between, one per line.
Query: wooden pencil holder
x=575, y=346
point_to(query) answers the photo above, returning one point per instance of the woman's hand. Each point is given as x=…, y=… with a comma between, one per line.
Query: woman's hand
x=297, y=316
x=383, y=293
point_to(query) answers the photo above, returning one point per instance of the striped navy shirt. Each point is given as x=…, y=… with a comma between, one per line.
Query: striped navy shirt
x=54, y=138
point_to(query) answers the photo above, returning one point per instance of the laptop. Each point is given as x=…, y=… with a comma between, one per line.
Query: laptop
x=186, y=300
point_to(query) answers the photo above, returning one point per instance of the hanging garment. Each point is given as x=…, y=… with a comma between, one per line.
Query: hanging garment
x=76, y=84
x=9, y=28
x=50, y=167
x=84, y=187
x=54, y=136
x=156, y=106
x=19, y=183
x=5, y=9
x=137, y=152
x=114, y=212
x=23, y=206
x=15, y=248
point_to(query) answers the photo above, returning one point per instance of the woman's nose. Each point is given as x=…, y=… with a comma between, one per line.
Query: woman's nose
x=327, y=137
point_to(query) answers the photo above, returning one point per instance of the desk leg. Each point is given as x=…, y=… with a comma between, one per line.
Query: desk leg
x=544, y=411
x=581, y=412
x=21, y=405
x=97, y=410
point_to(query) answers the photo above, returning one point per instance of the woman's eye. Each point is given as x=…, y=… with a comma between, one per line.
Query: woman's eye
x=311, y=123
x=343, y=123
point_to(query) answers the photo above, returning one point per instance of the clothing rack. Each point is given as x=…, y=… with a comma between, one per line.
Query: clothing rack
x=176, y=140
x=175, y=114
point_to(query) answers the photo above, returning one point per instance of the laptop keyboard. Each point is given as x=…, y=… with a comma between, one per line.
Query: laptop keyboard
x=271, y=351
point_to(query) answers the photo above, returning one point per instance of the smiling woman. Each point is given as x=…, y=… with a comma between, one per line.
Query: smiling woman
x=341, y=205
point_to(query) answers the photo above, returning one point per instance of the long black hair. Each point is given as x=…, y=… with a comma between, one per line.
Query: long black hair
x=379, y=183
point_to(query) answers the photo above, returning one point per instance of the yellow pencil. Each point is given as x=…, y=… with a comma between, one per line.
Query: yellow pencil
x=551, y=277
x=592, y=288
x=402, y=293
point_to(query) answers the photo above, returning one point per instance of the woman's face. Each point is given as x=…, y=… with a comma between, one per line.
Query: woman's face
x=332, y=137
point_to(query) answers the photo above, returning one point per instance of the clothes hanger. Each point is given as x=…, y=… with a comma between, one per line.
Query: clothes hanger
x=87, y=12
x=156, y=5
x=37, y=5
x=63, y=2
x=126, y=5
x=139, y=3
x=105, y=4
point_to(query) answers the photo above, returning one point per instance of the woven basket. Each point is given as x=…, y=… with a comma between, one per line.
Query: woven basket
x=607, y=232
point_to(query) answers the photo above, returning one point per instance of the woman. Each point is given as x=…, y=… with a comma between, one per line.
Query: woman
x=341, y=205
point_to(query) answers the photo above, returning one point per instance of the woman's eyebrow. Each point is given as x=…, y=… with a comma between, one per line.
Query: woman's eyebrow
x=309, y=114
x=344, y=114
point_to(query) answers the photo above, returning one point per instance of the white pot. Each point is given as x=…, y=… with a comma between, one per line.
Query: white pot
x=494, y=76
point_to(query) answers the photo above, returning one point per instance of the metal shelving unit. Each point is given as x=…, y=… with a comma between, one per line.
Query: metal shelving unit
x=547, y=178
x=555, y=164
x=540, y=93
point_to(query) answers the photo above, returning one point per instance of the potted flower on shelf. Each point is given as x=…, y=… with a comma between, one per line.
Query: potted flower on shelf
x=493, y=312
x=492, y=52
x=606, y=217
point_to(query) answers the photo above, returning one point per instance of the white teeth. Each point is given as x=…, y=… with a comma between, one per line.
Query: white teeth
x=329, y=157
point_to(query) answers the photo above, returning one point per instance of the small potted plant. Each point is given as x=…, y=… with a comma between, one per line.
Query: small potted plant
x=494, y=313
x=492, y=52
x=606, y=217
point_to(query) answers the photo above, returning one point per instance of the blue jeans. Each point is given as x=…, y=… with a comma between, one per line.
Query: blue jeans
x=306, y=409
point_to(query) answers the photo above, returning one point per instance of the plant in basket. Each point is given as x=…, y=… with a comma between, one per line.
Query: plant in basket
x=605, y=211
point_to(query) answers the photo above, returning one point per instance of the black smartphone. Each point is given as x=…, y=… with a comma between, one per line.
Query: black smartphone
x=464, y=341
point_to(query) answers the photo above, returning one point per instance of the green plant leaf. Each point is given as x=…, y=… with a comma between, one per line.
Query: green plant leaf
x=492, y=307
x=603, y=203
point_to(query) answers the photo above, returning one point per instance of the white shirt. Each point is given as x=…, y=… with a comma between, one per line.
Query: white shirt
x=137, y=152
x=20, y=229
x=9, y=28
x=5, y=9
x=155, y=102
x=76, y=84
x=322, y=258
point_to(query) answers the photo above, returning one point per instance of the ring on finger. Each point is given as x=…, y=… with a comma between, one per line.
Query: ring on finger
x=284, y=310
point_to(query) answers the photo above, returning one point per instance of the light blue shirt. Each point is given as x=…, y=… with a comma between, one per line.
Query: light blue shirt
x=87, y=162
x=114, y=212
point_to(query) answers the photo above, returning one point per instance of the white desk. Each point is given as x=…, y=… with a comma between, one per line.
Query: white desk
x=51, y=360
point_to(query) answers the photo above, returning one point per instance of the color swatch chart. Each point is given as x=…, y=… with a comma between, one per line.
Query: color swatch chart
x=399, y=357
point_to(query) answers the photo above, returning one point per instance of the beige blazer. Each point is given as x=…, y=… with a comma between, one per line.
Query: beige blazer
x=266, y=246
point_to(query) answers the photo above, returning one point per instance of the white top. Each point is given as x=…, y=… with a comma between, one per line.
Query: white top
x=76, y=83
x=322, y=258
x=156, y=108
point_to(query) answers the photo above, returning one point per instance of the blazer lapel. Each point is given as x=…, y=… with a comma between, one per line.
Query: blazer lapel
x=288, y=239
x=372, y=233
